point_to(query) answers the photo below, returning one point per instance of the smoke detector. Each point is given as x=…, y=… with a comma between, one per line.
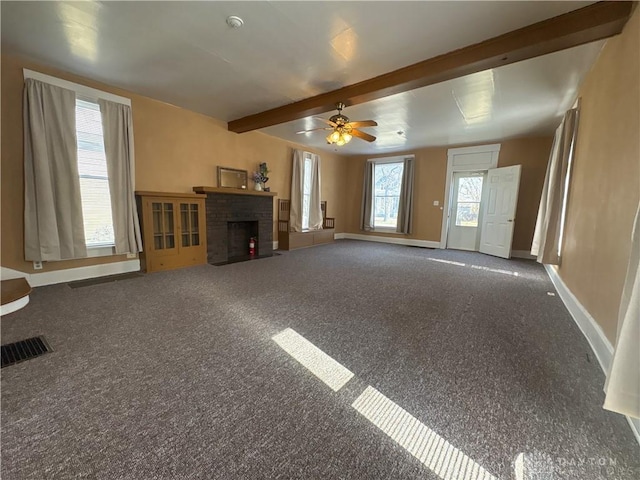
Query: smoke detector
x=234, y=21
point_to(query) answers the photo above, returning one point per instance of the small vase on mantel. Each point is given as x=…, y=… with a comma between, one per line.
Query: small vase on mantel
x=258, y=187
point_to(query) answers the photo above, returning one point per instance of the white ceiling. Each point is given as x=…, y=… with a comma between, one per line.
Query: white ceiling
x=185, y=54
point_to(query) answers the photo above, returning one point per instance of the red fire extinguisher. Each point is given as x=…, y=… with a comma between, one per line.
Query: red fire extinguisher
x=252, y=246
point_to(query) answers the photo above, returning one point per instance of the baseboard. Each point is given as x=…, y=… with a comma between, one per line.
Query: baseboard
x=339, y=236
x=275, y=245
x=82, y=273
x=522, y=254
x=412, y=242
x=9, y=274
x=586, y=323
x=634, y=423
x=599, y=343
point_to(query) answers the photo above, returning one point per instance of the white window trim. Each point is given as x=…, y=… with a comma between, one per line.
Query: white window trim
x=381, y=160
x=81, y=90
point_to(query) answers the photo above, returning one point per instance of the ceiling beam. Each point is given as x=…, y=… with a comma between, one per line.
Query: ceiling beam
x=588, y=24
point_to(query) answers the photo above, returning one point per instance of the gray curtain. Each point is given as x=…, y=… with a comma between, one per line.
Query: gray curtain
x=53, y=223
x=546, y=237
x=117, y=127
x=297, y=186
x=366, y=219
x=405, y=207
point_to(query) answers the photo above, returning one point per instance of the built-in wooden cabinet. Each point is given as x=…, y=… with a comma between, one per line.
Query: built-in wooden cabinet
x=173, y=230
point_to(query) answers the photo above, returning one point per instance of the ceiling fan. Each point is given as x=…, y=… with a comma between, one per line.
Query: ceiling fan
x=343, y=129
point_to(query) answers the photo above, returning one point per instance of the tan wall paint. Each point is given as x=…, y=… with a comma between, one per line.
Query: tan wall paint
x=605, y=184
x=175, y=148
x=430, y=179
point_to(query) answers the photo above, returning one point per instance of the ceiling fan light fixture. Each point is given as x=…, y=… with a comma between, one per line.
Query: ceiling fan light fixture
x=335, y=136
x=347, y=137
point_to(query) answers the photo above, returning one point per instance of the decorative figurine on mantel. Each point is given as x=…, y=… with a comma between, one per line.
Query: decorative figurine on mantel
x=260, y=178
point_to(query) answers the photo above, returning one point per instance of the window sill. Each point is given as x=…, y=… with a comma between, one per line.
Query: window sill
x=101, y=251
x=386, y=230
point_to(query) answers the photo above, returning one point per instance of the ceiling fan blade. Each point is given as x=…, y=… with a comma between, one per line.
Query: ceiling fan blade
x=363, y=123
x=314, y=129
x=326, y=121
x=362, y=135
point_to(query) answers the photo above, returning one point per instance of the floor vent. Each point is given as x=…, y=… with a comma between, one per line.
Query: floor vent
x=24, y=350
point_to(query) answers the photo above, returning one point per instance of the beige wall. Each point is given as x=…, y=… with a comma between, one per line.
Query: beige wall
x=175, y=148
x=430, y=179
x=605, y=184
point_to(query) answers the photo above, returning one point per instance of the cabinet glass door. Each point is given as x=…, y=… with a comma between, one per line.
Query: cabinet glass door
x=164, y=236
x=189, y=224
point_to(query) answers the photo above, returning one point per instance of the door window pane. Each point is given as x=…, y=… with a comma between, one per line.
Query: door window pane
x=468, y=201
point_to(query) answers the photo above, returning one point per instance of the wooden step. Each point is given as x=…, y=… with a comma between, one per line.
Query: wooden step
x=14, y=289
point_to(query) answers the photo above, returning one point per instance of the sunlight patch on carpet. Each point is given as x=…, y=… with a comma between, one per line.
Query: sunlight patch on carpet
x=477, y=267
x=315, y=360
x=415, y=437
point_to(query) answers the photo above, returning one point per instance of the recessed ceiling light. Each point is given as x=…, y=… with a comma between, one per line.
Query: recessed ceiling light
x=234, y=21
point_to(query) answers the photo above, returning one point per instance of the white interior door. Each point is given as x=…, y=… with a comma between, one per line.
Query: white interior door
x=499, y=211
x=466, y=199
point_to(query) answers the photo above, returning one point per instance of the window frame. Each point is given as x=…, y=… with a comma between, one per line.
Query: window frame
x=380, y=161
x=86, y=93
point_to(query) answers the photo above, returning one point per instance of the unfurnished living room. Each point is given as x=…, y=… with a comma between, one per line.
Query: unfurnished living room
x=320, y=240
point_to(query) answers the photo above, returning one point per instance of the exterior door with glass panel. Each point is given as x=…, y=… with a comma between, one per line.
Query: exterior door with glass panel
x=466, y=200
x=499, y=212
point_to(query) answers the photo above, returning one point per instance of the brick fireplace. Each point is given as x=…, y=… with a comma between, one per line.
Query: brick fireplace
x=232, y=218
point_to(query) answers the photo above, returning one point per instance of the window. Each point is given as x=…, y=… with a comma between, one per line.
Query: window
x=306, y=191
x=468, y=201
x=94, y=180
x=387, y=181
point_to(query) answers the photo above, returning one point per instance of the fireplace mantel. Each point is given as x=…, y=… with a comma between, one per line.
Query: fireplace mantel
x=233, y=191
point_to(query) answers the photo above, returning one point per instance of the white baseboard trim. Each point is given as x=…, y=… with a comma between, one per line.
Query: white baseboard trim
x=397, y=241
x=82, y=273
x=586, y=323
x=9, y=274
x=275, y=245
x=634, y=423
x=522, y=254
x=339, y=236
x=599, y=343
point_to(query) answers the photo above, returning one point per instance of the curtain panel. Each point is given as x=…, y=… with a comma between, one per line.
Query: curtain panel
x=405, y=206
x=53, y=221
x=117, y=127
x=297, y=191
x=622, y=387
x=546, y=238
x=366, y=211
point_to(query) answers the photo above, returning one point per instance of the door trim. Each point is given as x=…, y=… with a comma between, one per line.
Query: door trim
x=464, y=159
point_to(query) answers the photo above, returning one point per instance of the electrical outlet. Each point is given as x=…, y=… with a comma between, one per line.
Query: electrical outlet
x=436, y=203
x=37, y=265
x=132, y=255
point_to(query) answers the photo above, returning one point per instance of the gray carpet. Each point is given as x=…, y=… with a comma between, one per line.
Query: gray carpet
x=175, y=375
